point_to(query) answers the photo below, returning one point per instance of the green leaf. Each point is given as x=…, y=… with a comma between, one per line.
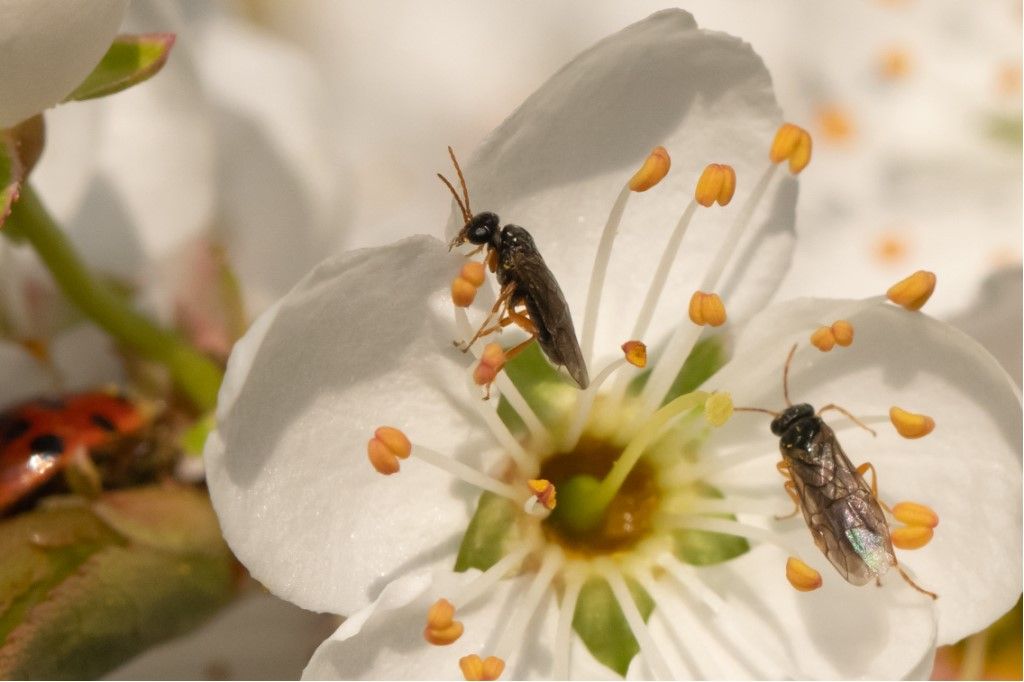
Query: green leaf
x=490, y=532
x=601, y=625
x=84, y=587
x=707, y=357
x=703, y=548
x=11, y=174
x=131, y=59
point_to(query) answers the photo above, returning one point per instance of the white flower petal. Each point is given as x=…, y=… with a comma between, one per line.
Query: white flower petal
x=363, y=341
x=968, y=470
x=385, y=640
x=48, y=47
x=556, y=165
x=836, y=632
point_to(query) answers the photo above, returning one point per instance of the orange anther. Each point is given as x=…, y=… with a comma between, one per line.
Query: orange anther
x=707, y=309
x=915, y=514
x=463, y=292
x=801, y=576
x=474, y=668
x=544, y=491
x=823, y=339
x=473, y=272
x=913, y=291
x=842, y=331
x=791, y=143
x=387, y=446
x=492, y=360
x=716, y=183
x=441, y=630
x=911, y=537
x=834, y=123
x=636, y=353
x=653, y=171
x=910, y=424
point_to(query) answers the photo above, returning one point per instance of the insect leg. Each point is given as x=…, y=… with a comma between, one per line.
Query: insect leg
x=910, y=582
x=833, y=406
x=517, y=349
x=862, y=470
x=790, y=487
x=484, y=329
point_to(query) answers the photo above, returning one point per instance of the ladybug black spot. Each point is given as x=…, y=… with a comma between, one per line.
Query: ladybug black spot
x=47, y=444
x=102, y=422
x=15, y=429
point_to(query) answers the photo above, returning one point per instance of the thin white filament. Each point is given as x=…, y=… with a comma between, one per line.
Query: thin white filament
x=635, y=620
x=516, y=629
x=467, y=473
x=563, y=633
x=597, y=275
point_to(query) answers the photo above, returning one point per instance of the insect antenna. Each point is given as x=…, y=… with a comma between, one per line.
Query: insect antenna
x=466, y=215
x=833, y=406
x=785, y=375
x=462, y=180
x=913, y=584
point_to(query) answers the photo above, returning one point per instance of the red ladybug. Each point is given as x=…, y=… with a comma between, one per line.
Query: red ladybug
x=41, y=437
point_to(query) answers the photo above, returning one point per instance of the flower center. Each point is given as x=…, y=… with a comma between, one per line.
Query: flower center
x=629, y=516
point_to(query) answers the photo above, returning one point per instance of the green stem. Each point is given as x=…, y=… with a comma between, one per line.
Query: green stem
x=582, y=501
x=195, y=374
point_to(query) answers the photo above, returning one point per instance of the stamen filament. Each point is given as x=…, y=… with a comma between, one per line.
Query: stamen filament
x=636, y=623
x=512, y=635
x=483, y=583
x=728, y=527
x=686, y=577
x=563, y=632
x=657, y=286
x=732, y=505
x=604, y=253
x=467, y=473
x=585, y=401
x=499, y=430
x=685, y=336
x=538, y=432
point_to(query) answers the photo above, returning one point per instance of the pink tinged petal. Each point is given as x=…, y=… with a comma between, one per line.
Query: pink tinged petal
x=556, y=165
x=968, y=470
x=365, y=340
x=47, y=47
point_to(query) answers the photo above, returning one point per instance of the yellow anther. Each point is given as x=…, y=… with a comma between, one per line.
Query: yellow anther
x=387, y=446
x=544, y=491
x=911, y=424
x=718, y=408
x=441, y=629
x=655, y=168
x=492, y=360
x=911, y=537
x=834, y=123
x=475, y=668
x=915, y=514
x=463, y=292
x=465, y=286
x=791, y=143
x=473, y=272
x=894, y=63
x=707, y=309
x=823, y=339
x=636, y=353
x=716, y=183
x=843, y=332
x=801, y=576
x=913, y=291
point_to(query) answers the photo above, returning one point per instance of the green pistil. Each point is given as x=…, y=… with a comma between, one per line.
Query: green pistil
x=195, y=374
x=583, y=499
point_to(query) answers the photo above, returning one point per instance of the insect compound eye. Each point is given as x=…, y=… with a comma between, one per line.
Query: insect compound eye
x=790, y=416
x=481, y=227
